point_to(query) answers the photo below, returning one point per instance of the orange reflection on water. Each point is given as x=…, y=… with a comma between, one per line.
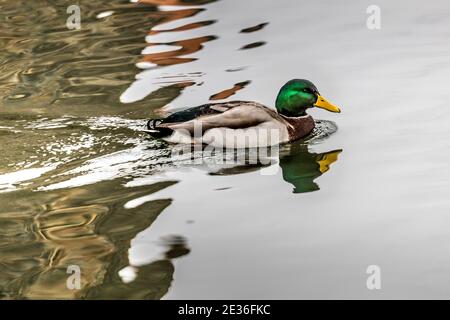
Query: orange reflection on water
x=229, y=92
x=173, y=57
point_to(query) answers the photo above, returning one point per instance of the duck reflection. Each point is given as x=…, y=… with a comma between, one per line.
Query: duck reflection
x=300, y=166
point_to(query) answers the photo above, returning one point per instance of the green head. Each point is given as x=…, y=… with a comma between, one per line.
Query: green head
x=297, y=95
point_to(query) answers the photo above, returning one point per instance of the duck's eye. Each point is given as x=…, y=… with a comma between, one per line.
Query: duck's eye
x=307, y=90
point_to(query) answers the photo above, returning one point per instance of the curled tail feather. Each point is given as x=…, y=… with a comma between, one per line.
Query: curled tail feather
x=155, y=131
x=153, y=123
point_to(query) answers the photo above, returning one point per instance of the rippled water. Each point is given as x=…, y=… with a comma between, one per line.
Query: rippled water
x=81, y=184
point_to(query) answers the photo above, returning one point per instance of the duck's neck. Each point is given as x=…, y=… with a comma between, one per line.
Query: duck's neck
x=288, y=114
x=299, y=126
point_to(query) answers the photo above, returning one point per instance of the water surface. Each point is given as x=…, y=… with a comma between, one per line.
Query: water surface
x=80, y=184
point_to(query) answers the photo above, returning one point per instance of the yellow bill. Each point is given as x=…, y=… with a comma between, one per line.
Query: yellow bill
x=324, y=104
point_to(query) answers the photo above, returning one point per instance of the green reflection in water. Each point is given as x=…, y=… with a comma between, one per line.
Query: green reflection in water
x=301, y=167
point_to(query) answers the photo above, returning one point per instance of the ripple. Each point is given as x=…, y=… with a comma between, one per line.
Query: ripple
x=322, y=130
x=39, y=53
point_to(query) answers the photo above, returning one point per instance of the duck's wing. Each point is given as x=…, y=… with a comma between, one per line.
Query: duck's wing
x=233, y=115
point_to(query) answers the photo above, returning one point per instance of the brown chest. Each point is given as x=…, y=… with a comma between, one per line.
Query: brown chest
x=300, y=127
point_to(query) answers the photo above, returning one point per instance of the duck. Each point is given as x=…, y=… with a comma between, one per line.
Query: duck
x=245, y=124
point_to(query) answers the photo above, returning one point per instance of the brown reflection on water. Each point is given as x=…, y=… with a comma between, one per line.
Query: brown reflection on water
x=40, y=238
x=184, y=47
x=254, y=28
x=81, y=72
x=253, y=45
x=88, y=69
x=185, y=27
x=173, y=57
x=172, y=15
x=175, y=51
x=229, y=92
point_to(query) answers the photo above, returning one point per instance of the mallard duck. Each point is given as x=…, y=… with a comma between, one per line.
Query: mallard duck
x=245, y=124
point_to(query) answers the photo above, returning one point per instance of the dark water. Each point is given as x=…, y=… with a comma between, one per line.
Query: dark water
x=80, y=184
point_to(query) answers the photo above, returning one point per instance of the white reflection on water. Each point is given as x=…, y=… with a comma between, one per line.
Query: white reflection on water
x=8, y=181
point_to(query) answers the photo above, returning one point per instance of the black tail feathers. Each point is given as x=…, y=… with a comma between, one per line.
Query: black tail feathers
x=152, y=123
x=154, y=131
